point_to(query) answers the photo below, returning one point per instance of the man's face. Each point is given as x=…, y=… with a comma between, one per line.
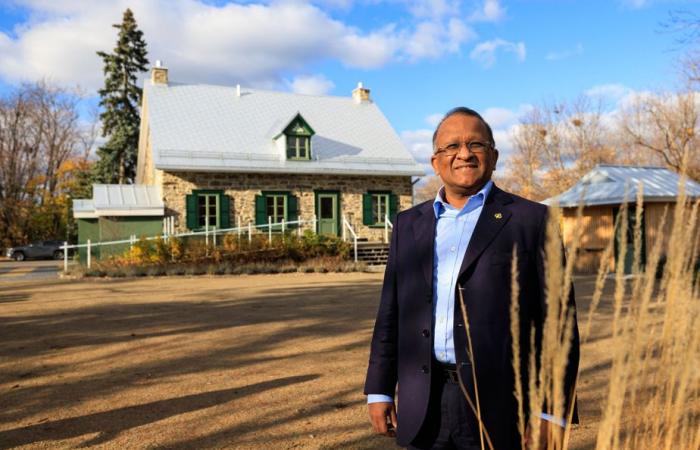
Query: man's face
x=466, y=172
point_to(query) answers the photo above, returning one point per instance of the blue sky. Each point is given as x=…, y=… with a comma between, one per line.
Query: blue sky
x=419, y=58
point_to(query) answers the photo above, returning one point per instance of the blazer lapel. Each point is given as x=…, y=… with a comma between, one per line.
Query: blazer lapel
x=492, y=219
x=424, y=235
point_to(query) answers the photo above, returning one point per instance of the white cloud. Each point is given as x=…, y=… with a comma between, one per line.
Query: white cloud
x=492, y=11
x=435, y=9
x=485, y=52
x=431, y=39
x=250, y=43
x=311, y=84
x=419, y=143
x=612, y=91
x=564, y=54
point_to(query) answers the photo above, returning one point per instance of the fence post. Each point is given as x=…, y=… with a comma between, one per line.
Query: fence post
x=313, y=223
x=214, y=236
x=250, y=232
x=89, y=251
x=299, y=227
x=206, y=235
x=269, y=230
x=65, y=256
x=344, y=233
x=238, y=228
x=283, y=227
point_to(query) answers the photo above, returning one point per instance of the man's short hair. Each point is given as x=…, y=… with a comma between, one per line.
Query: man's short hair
x=467, y=112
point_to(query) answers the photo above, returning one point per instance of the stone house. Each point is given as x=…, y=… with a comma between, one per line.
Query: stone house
x=226, y=156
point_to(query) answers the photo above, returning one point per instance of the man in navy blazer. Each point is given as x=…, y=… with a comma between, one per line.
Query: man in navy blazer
x=462, y=240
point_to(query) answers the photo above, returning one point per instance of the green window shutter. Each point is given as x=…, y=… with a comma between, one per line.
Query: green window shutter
x=292, y=209
x=191, y=201
x=367, y=209
x=393, y=206
x=260, y=217
x=225, y=219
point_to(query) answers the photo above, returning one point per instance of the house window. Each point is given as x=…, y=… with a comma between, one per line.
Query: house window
x=298, y=147
x=377, y=206
x=380, y=208
x=207, y=210
x=276, y=207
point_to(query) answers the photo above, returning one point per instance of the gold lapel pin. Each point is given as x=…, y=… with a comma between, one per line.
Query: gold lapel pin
x=498, y=216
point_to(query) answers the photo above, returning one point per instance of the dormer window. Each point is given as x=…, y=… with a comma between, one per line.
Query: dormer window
x=298, y=136
x=298, y=147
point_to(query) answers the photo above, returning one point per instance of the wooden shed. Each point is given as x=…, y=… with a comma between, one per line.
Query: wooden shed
x=602, y=192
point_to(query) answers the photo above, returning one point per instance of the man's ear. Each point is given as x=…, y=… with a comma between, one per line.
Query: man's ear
x=495, y=158
x=434, y=163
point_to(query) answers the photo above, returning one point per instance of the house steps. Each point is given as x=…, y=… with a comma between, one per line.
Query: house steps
x=372, y=253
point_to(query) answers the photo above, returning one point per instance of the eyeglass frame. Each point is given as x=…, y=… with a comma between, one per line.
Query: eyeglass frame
x=469, y=145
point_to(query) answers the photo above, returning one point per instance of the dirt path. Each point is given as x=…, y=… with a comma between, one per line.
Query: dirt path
x=265, y=361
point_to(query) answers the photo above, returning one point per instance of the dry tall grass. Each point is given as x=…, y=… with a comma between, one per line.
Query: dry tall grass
x=654, y=380
x=653, y=394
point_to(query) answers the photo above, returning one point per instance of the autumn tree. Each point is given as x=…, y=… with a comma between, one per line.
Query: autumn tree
x=120, y=97
x=40, y=132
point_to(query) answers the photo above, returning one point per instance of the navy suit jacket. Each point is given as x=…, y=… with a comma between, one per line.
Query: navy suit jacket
x=401, y=350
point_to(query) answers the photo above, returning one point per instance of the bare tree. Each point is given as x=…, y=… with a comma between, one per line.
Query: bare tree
x=665, y=124
x=427, y=189
x=555, y=144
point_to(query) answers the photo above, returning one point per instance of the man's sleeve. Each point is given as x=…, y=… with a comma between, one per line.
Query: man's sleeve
x=383, y=359
x=379, y=398
x=573, y=357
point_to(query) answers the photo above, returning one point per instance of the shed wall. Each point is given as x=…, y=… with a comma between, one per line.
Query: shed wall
x=597, y=228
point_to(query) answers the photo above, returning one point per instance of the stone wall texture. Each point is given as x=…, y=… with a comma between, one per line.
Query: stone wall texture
x=243, y=187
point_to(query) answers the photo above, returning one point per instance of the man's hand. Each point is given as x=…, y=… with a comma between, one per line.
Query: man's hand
x=379, y=413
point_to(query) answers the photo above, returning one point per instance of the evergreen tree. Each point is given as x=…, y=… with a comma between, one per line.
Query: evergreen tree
x=120, y=98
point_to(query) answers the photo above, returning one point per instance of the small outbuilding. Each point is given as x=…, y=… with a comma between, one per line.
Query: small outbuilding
x=602, y=191
x=116, y=212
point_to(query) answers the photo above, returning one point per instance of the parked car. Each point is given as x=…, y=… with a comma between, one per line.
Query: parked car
x=37, y=250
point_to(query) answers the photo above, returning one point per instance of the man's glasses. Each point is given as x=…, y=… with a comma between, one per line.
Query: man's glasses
x=476, y=147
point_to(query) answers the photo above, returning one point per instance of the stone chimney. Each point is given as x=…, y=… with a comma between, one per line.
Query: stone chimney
x=360, y=94
x=159, y=74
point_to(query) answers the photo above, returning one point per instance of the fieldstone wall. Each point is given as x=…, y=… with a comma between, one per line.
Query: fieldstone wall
x=243, y=187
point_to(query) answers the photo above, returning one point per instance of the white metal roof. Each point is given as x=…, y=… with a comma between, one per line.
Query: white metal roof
x=120, y=200
x=211, y=128
x=606, y=185
x=84, y=209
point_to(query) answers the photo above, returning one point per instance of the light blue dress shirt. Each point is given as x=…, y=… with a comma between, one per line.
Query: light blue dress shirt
x=453, y=231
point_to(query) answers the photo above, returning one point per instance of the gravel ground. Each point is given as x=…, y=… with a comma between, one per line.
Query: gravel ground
x=263, y=361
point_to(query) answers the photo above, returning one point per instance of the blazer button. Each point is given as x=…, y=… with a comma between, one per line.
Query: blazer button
x=425, y=333
x=459, y=324
x=424, y=369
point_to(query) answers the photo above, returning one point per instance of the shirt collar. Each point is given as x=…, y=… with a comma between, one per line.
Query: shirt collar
x=441, y=203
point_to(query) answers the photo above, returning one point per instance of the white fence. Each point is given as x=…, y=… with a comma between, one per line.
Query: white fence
x=209, y=233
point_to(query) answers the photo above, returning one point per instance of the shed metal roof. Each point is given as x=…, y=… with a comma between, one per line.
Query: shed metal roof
x=120, y=200
x=606, y=185
x=212, y=128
